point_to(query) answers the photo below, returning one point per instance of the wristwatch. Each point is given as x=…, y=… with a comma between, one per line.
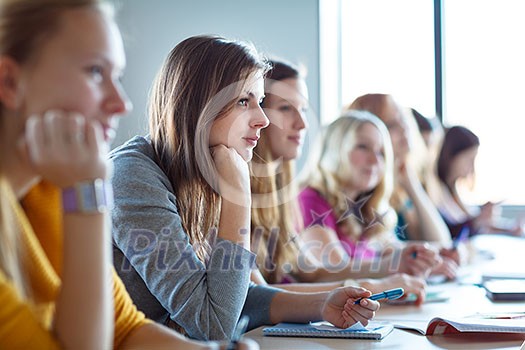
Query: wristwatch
x=88, y=197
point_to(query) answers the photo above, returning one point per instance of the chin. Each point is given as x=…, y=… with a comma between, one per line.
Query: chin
x=290, y=157
x=247, y=156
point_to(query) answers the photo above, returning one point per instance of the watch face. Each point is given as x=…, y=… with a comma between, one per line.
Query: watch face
x=87, y=197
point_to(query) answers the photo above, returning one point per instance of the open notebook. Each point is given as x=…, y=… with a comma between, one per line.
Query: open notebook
x=484, y=323
x=375, y=330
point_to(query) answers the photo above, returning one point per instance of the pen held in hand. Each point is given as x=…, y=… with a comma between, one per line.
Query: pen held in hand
x=238, y=332
x=390, y=294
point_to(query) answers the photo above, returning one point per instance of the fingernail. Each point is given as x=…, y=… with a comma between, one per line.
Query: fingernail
x=364, y=302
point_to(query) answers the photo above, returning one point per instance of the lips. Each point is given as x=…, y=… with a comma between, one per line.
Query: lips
x=252, y=140
x=295, y=139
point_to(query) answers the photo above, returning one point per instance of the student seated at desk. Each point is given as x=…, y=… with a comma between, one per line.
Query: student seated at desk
x=276, y=220
x=344, y=201
x=60, y=93
x=418, y=219
x=456, y=162
x=182, y=200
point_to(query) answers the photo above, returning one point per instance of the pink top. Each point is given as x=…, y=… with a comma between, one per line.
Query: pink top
x=317, y=211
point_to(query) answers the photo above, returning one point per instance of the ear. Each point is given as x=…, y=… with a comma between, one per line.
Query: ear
x=9, y=81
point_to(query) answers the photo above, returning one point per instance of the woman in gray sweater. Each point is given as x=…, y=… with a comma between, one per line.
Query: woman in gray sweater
x=182, y=201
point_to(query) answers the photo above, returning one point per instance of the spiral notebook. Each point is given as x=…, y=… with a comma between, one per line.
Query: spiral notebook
x=375, y=330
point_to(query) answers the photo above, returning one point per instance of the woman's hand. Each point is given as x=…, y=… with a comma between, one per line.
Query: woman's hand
x=453, y=254
x=340, y=308
x=487, y=213
x=411, y=285
x=234, y=175
x=448, y=268
x=418, y=259
x=66, y=148
x=517, y=231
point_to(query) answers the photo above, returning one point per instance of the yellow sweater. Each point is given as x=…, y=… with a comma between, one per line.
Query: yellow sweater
x=27, y=325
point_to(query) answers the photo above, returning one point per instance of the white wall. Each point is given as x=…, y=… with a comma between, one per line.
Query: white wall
x=151, y=28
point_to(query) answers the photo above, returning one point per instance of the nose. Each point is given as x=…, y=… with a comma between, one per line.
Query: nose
x=117, y=101
x=259, y=120
x=374, y=158
x=300, y=121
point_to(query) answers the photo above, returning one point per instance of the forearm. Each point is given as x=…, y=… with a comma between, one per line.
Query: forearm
x=431, y=226
x=349, y=269
x=309, y=287
x=153, y=336
x=328, y=286
x=84, y=308
x=377, y=268
x=297, y=307
x=324, y=259
x=234, y=224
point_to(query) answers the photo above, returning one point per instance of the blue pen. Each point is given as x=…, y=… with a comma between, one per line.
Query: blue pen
x=237, y=333
x=461, y=237
x=390, y=294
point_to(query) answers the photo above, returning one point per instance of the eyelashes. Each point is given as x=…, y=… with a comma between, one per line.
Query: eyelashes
x=245, y=101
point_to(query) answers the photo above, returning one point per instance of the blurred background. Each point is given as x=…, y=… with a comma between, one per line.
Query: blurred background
x=460, y=60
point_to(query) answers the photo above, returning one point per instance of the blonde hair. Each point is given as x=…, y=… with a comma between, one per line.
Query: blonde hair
x=328, y=166
x=380, y=105
x=24, y=27
x=10, y=249
x=275, y=214
x=199, y=82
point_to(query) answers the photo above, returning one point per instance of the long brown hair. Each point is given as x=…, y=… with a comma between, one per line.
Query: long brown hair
x=24, y=27
x=198, y=83
x=275, y=215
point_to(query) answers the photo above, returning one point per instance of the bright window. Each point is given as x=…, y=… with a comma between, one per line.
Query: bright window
x=388, y=47
x=484, y=91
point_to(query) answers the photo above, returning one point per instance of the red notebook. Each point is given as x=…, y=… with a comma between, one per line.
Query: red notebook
x=509, y=323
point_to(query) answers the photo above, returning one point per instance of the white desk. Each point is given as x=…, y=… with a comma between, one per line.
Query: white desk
x=465, y=300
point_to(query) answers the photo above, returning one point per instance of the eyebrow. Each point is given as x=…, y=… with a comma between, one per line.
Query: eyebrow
x=251, y=94
x=119, y=66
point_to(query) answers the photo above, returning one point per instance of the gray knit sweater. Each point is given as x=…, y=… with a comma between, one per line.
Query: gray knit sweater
x=158, y=265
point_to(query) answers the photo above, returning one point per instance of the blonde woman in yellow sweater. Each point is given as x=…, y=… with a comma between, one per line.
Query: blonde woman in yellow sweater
x=60, y=64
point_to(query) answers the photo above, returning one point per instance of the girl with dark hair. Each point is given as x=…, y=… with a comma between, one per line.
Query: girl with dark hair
x=455, y=162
